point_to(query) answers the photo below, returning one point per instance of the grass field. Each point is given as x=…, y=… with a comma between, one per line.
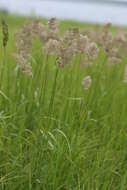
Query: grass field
x=54, y=134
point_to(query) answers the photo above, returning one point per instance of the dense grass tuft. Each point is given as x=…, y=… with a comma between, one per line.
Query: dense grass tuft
x=54, y=135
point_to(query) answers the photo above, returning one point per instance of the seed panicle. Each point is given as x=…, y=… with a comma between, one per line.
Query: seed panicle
x=5, y=33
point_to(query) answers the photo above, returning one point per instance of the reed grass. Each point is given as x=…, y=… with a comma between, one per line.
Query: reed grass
x=54, y=133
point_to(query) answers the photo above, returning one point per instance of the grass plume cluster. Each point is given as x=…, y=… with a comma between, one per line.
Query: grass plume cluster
x=63, y=107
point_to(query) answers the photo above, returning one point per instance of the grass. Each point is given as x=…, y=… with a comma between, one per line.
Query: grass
x=53, y=134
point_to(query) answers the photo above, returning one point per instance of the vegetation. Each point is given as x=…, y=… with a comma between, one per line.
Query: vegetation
x=63, y=123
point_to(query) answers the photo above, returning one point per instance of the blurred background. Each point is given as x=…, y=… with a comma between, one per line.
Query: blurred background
x=93, y=11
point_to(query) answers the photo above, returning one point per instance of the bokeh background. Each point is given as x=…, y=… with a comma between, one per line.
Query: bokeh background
x=94, y=11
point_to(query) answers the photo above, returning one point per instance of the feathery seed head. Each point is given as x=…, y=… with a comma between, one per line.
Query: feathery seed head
x=80, y=44
x=5, y=33
x=125, y=75
x=52, y=24
x=114, y=60
x=92, y=51
x=52, y=29
x=121, y=37
x=52, y=47
x=75, y=33
x=23, y=42
x=115, y=52
x=65, y=56
x=86, y=83
x=106, y=27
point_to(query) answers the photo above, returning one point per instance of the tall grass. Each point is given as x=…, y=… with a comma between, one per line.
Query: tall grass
x=54, y=135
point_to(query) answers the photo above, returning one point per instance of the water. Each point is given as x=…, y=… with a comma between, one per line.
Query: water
x=82, y=11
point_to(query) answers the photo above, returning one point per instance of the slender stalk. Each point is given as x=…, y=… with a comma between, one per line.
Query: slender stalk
x=53, y=92
x=3, y=68
x=43, y=86
x=3, y=71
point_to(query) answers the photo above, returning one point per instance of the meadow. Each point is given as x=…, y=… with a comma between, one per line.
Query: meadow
x=63, y=106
